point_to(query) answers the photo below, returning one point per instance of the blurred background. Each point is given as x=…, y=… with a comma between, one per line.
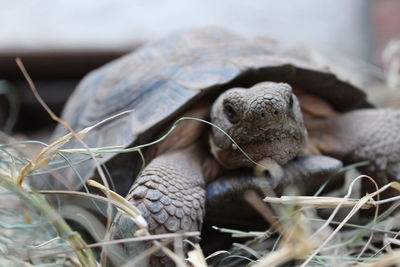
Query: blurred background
x=60, y=41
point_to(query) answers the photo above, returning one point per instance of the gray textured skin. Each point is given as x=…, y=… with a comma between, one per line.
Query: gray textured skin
x=370, y=134
x=265, y=121
x=164, y=79
x=171, y=198
x=300, y=171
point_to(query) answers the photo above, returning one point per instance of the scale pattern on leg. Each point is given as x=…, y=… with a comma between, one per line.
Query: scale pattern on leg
x=170, y=194
x=372, y=135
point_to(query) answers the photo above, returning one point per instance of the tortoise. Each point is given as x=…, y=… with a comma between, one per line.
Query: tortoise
x=275, y=104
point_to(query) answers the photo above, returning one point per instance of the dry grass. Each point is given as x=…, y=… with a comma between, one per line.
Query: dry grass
x=303, y=231
x=299, y=234
x=14, y=171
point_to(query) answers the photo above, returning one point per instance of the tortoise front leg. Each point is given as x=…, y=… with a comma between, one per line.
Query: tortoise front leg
x=307, y=172
x=364, y=135
x=170, y=194
x=225, y=195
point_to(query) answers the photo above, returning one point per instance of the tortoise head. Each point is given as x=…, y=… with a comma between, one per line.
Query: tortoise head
x=264, y=120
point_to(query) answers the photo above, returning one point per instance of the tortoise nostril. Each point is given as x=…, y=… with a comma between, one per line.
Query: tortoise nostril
x=231, y=113
x=276, y=112
x=262, y=115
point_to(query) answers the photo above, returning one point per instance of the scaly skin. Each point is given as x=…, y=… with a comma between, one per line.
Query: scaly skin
x=363, y=135
x=264, y=120
x=302, y=170
x=170, y=194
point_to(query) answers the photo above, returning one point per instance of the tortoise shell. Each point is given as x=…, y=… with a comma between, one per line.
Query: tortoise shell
x=161, y=80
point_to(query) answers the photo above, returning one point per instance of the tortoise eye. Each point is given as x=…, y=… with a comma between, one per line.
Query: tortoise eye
x=232, y=115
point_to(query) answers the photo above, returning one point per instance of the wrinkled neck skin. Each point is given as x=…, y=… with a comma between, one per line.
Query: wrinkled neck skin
x=265, y=121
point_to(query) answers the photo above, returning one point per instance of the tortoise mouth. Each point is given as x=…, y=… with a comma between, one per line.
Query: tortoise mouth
x=278, y=144
x=267, y=135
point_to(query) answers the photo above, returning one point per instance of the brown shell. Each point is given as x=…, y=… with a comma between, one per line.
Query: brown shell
x=162, y=79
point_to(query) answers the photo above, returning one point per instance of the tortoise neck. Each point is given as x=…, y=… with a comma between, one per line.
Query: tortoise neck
x=330, y=136
x=211, y=168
